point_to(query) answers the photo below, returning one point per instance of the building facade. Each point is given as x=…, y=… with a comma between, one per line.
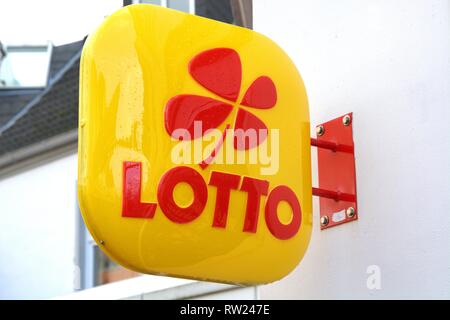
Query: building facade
x=387, y=62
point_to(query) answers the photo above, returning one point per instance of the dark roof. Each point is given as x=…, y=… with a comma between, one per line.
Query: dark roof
x=62, y=54
x=31, y=117
x=12, y=101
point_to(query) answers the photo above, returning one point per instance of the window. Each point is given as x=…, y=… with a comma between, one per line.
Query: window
x=238, y=12
x=181, y=5
x=93, y=267
x=25, y=66
x=107, y=271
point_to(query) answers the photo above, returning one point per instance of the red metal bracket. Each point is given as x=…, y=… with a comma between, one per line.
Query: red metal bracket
x=336, y=168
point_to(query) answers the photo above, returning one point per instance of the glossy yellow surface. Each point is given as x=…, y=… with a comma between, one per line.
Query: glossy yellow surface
x=131, y=66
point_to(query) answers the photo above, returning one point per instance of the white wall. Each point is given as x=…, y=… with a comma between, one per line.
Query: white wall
x=37, y=236
x=388, y=62
x=37, y=239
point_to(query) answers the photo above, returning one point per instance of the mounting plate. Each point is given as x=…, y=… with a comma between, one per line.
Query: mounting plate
x=336, y=169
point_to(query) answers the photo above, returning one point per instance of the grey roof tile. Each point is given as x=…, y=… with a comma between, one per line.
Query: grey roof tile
x=47, y=113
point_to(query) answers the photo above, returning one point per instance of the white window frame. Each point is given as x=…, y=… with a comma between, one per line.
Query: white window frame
x=164, y=4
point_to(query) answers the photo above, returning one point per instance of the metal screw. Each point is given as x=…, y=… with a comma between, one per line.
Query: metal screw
x=350, y=212
x=346, y=120
x=320, y=130
x=102, y=242
x=324, y=221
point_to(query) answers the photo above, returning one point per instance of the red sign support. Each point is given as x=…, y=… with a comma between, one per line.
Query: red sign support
x=336, y=168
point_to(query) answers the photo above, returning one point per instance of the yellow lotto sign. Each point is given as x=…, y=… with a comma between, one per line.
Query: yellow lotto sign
x=194, y=148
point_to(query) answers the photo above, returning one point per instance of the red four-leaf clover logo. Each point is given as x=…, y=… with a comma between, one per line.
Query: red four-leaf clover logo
x=220, y=71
